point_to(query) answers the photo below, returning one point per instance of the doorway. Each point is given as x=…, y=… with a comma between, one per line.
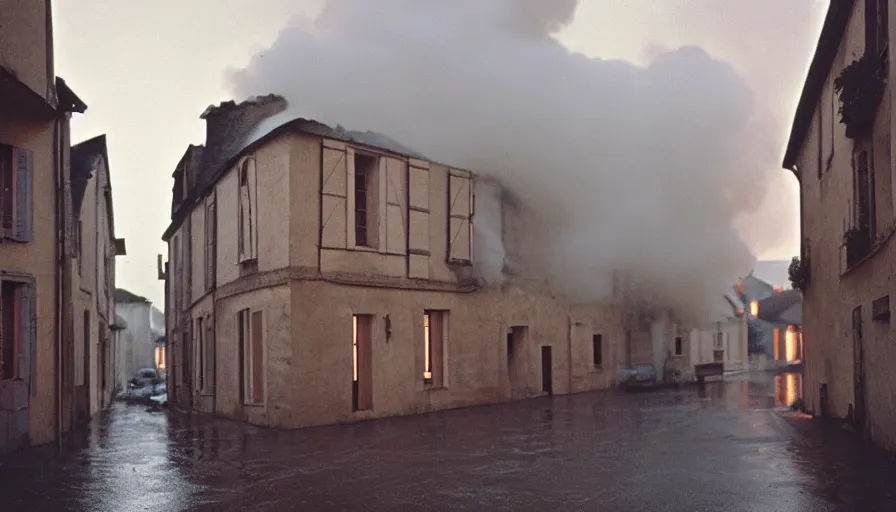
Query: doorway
x=362, y=363
x=859, y=412
x=547, y=376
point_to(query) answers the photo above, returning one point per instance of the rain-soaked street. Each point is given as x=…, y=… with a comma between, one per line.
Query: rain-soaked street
x=731, y=447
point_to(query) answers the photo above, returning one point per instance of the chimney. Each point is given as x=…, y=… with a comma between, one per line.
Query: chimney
x=228, y=126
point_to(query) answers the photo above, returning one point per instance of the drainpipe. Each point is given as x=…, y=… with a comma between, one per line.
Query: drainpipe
x=569, y=346
x=58, y=284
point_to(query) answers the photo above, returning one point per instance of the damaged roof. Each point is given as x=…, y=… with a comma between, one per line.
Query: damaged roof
x=208, y=176
x=782, y=308
x=124, y=296
x=832, y=31
x=84, y=157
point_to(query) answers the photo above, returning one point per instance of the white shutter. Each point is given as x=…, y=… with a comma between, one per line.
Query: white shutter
x=460, y=209
x=334, y=196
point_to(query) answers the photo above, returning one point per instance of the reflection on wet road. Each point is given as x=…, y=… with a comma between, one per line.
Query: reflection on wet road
x=724, y=448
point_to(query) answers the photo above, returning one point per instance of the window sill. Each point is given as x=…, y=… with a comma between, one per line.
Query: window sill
x=875, y=249
x=253, y=405
x=596, y=369
x=431, y=387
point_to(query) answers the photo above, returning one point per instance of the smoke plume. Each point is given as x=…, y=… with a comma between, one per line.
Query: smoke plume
x=641, y=169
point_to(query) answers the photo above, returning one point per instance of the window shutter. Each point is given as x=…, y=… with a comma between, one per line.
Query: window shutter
x=27, y=326
x=460, y=209
x=24, y=161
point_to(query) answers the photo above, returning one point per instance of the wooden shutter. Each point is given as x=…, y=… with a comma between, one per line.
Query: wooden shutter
x=350, y=238
x=242, y=328
x=334, y=195
x=24, y=162
x=418, y=219
x=210, y=355
x=257, y=357
x=460, y=207
x=27, y=325
x=396, y=197
x=211, y=234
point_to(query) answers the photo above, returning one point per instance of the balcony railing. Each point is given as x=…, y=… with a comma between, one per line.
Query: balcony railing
x=858, y=243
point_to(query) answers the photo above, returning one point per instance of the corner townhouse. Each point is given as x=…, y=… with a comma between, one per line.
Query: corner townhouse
x=319, y=276
x=841, y=151
x=35, y=218
x=95, y=247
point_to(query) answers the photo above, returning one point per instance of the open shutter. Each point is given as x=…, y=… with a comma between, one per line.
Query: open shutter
x=460, y=209
x=24, y=161
x=396, y=197
x=334, y=196
x=418, y=219
x=350, y=235
x=27, y=327
x=211, y=229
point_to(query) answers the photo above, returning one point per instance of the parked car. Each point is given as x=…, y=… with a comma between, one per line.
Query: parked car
x=145, y=384
x=636, y=377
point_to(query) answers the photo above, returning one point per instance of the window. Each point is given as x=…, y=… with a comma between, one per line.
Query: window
x=864, y=189
x=597, y=350
x=679, y=346
x=434, y=335
x=177, y=282
x=15, y=194
x=79, y=246
x=362, y=362
x=248, y=226
x=9, y=340
x=17, y=323
x=251, y=339
x=160, y=357
x=200, y=355
x=366, y=190
x=211, y=235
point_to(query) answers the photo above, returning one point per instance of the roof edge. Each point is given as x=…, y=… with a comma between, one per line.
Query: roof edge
x=835, y=23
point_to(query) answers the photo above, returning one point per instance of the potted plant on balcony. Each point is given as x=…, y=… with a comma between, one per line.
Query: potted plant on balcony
x=860, y=87
x=799, y=272
x=857, y=241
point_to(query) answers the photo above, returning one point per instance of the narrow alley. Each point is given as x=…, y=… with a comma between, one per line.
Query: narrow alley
x=732, y=447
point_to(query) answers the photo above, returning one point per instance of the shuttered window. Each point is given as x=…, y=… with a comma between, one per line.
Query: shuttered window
x=16, y=183
x=17, y=331
x=251, y=340
x=211, y=235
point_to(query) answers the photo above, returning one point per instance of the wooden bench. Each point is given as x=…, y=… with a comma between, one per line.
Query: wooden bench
x=701, y=371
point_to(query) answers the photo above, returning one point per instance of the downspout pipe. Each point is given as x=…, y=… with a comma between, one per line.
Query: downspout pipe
x=58, y=285
x=569, y=352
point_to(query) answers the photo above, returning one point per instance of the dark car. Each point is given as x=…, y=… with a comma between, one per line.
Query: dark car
x=638, y=376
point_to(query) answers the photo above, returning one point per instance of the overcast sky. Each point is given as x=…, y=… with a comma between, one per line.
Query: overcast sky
x=147, y=70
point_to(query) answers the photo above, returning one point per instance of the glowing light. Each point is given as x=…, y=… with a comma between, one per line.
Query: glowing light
x=754, y=308
x=160, y=358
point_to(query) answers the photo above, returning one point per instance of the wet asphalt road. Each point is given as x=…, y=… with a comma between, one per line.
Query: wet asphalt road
x=729, y=448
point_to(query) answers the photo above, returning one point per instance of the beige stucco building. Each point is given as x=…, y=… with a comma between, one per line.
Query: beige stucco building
x=35, y=108
x=314, y=277
x=38, y=290
x=96, y=339
x=848, y=202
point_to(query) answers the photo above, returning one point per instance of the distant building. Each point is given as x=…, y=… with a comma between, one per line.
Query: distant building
x=142, y=343
x=96, y=332
x=764, y=292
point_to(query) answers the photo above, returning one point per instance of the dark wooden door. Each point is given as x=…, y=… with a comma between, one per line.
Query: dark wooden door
x=547, y=377
x=858, y=370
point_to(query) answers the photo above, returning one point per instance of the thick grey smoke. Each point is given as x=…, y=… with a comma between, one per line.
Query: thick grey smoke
x=643, y=169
